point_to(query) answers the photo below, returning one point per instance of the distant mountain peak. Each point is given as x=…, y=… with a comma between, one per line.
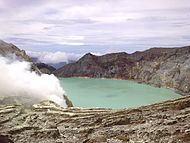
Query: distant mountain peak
x=89, y=55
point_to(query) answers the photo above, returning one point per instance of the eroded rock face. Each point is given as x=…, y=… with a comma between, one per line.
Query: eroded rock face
x=162, y=67
x=48, y=123
x=10, y=50
x=7, y=49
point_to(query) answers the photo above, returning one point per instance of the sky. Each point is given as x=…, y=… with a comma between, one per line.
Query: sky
x=60, y=30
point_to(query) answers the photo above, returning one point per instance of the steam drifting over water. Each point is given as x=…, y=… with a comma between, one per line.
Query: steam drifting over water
x=17, y=79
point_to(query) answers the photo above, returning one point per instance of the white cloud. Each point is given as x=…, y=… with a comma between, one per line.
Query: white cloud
x=76, y=12
x=28, y=85
x=72, y=43
x=100, y=22
x=50, y=57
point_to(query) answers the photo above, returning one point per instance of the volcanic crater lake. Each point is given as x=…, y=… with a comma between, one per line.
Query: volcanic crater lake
x=110, y=93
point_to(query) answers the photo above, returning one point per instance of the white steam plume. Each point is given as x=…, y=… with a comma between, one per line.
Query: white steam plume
x=16, y=79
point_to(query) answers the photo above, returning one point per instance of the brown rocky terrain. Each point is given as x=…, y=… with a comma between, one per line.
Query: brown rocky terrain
x=167, y=122
x=162, y=67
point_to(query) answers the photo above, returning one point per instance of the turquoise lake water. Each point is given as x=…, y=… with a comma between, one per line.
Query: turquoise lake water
x=109, y=93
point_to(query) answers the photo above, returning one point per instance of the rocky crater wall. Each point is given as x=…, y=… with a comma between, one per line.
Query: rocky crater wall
x=161, y=67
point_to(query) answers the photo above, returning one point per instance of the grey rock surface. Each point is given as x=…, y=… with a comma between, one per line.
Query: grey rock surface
x=167, y=122
x=11, y=51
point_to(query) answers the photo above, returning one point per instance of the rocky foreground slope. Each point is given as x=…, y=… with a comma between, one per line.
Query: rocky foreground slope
x=167, y=122
x=162, y=67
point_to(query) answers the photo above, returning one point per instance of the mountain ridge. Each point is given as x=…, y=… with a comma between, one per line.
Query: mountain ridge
x=161, y=67
x=45, y=68
x=10, y=50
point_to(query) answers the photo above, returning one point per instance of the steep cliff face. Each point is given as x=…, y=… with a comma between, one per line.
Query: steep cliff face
x=162, y=67
x=170, y=69
x=9, y=50
x=46, y=122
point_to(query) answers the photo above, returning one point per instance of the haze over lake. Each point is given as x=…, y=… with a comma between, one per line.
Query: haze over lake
x=110, y=93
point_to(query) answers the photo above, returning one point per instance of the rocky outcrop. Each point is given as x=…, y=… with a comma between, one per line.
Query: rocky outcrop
x=11, y=51
x=49, y=123
x=68, y=101
x=7, y=49
x=44, y=68
x=162, y=67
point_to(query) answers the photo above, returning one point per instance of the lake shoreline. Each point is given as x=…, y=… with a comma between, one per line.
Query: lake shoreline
x=89, y=92
x=136, y=81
